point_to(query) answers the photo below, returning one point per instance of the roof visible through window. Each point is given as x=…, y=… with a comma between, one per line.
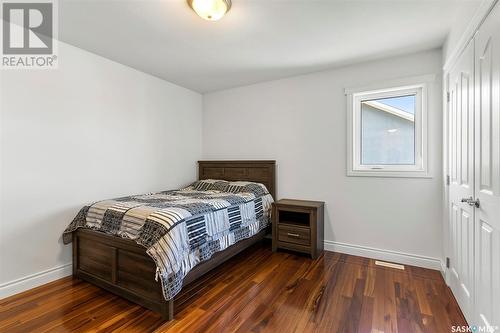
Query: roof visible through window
x=403, y=103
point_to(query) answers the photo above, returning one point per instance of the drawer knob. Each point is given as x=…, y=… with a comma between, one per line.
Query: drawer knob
x=293, y=235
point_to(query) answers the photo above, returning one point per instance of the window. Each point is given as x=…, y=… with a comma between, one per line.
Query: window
x=387, y=131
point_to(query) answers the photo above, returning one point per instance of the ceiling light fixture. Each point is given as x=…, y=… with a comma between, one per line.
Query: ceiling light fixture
x=211, y=10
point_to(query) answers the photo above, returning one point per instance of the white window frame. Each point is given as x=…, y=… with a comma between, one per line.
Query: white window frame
x=417, y=86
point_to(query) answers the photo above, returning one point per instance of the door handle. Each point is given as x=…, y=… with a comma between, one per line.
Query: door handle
x=471, y=202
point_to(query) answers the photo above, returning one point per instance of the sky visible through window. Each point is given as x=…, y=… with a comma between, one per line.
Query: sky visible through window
x=404, y=103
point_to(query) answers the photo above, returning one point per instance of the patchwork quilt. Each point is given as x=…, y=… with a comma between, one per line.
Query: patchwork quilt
x=181, y=228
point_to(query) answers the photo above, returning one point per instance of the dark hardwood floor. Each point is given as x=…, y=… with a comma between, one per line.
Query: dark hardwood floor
x=257, y=291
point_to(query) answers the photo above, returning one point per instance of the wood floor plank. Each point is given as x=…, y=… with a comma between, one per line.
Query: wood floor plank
x=390, y=302
x=258, y=291
x=379, y=294
x=352, y=319
x=366, y=316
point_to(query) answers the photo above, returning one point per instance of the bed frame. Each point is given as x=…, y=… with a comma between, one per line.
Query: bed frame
x=122, y=266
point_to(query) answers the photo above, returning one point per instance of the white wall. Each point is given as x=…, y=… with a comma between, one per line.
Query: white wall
x=90, y=130
x=301, y=122
x=468, y=18
x=464, y=16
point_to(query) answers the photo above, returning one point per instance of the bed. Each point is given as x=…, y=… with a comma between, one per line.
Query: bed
x=121, y=264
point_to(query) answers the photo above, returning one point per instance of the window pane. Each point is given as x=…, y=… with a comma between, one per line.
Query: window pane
x=388, y=131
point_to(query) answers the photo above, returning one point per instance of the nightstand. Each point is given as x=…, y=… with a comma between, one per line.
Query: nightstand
x=298, y=226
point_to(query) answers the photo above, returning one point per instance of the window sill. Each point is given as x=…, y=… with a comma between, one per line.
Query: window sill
x=388, y=174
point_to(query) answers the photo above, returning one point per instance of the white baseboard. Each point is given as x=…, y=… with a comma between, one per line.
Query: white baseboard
x=34, y=280
x=386, y=255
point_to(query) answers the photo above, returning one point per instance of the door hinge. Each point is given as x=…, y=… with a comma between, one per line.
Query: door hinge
x=447, y=262
x=448, y=98
x=448, y=180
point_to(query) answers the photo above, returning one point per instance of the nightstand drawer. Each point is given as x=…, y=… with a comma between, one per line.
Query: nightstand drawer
x=295, y=235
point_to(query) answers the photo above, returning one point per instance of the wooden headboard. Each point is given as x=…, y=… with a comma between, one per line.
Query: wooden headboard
x=253, y=171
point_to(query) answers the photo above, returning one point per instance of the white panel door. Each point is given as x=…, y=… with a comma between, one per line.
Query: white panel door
x=487, y=171
x=461, y=149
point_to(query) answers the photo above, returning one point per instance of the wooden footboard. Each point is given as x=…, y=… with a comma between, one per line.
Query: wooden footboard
x=123, y=268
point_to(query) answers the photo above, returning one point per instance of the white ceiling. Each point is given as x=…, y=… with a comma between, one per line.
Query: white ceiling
x=258, y=40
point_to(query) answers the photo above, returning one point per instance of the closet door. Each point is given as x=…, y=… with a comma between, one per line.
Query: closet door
x=461, y=164
x=487, y=171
